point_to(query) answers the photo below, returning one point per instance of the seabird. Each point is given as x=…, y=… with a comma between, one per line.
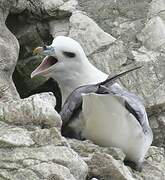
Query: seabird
x=67, y=63
x=95, y=107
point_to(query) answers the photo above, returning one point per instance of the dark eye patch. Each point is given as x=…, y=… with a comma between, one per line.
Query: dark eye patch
x=69, y=54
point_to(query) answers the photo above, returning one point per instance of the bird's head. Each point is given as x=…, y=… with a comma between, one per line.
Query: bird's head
x=62, y=55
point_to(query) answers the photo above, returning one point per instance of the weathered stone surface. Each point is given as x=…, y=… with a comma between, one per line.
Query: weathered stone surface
x=48, y=136
x=52, y=5
x=99, y=159
x=87, y=148
x=154, y=166
x=157, y=121
x=9, y=49
x=136, y=37
x=69, y=6
x=152, y=35
x=157, y=7
x=87, y=32
x=18, y=175
x=105, y=167
x=60, y=155
x=51, y=170
x=111, y=15
x=14, y=136
x=37, y=109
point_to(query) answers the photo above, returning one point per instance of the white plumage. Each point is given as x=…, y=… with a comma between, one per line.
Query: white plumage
x=123, y=130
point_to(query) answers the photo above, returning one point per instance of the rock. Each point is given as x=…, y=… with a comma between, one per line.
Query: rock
x=152, y=35
x=51, y=6
x=59, y=27
x=156, y=7
x=48, y=136
x=9, y=49
x=105, y=163
x=151, y=72
x=86, y=148
x=47, y=155
x=14, y=136
x=87, y=33
x=157, y=121
x=69, y=6
x=154, y=166
x=114, y=57
x=112, y=15
x=37, y=109
x=51, y=171
x=19, y=175
x=31, y=146
x=105, y=167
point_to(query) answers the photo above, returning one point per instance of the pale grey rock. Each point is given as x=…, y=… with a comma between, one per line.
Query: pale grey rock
x=61, y=155
x=100, y=158
x=30, y=162
x=157, y=121
x=37, y=109
x=14, y=136
x=69, y=6
x=154, y=166
x=59, y=27
x=87, y=148
x=156, y=7
x=144, y=55
x=9, y=49
x=87, y=33
x=10, y=165
x=48, y=136
x=52, y=5
x=20, y=174
x=110, y=14
x=147, y=82
x=19, y=6
x=51, y=170
x=47, y=151
x=105, y=167
x=111, y=58
x=152, y=35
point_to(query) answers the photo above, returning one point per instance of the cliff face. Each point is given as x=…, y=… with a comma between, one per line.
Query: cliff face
x=115, y=35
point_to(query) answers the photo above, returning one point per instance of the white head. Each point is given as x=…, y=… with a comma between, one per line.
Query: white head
x=63, y=55
x=67, y=63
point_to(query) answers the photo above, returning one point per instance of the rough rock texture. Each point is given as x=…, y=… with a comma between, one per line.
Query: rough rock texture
x=116, y=35
x=37, y=109
x=28, y=151
x=107, y=163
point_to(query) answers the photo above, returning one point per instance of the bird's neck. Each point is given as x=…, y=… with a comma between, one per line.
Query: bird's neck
x=71, y=78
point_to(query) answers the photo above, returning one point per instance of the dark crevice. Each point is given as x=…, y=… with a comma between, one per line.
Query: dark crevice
x=31, y=34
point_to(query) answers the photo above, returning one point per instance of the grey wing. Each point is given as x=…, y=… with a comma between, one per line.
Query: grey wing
x=73, y=104
x=137, y=109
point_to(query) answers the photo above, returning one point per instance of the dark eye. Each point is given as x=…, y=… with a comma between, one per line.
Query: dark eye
x=69, y=54
x=44, y=47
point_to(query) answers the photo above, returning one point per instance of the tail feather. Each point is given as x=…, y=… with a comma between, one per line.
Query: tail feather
x=111, y=80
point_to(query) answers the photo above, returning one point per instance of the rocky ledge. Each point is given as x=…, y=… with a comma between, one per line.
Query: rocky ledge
x=115, y=35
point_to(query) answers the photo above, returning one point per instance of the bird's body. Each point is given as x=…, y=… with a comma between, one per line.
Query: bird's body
x=114, y=126
x=99, y=110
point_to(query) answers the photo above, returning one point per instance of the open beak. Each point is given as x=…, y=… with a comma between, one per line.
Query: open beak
x=47, y=62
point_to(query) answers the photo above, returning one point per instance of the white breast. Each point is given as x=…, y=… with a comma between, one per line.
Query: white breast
x=108, y=123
